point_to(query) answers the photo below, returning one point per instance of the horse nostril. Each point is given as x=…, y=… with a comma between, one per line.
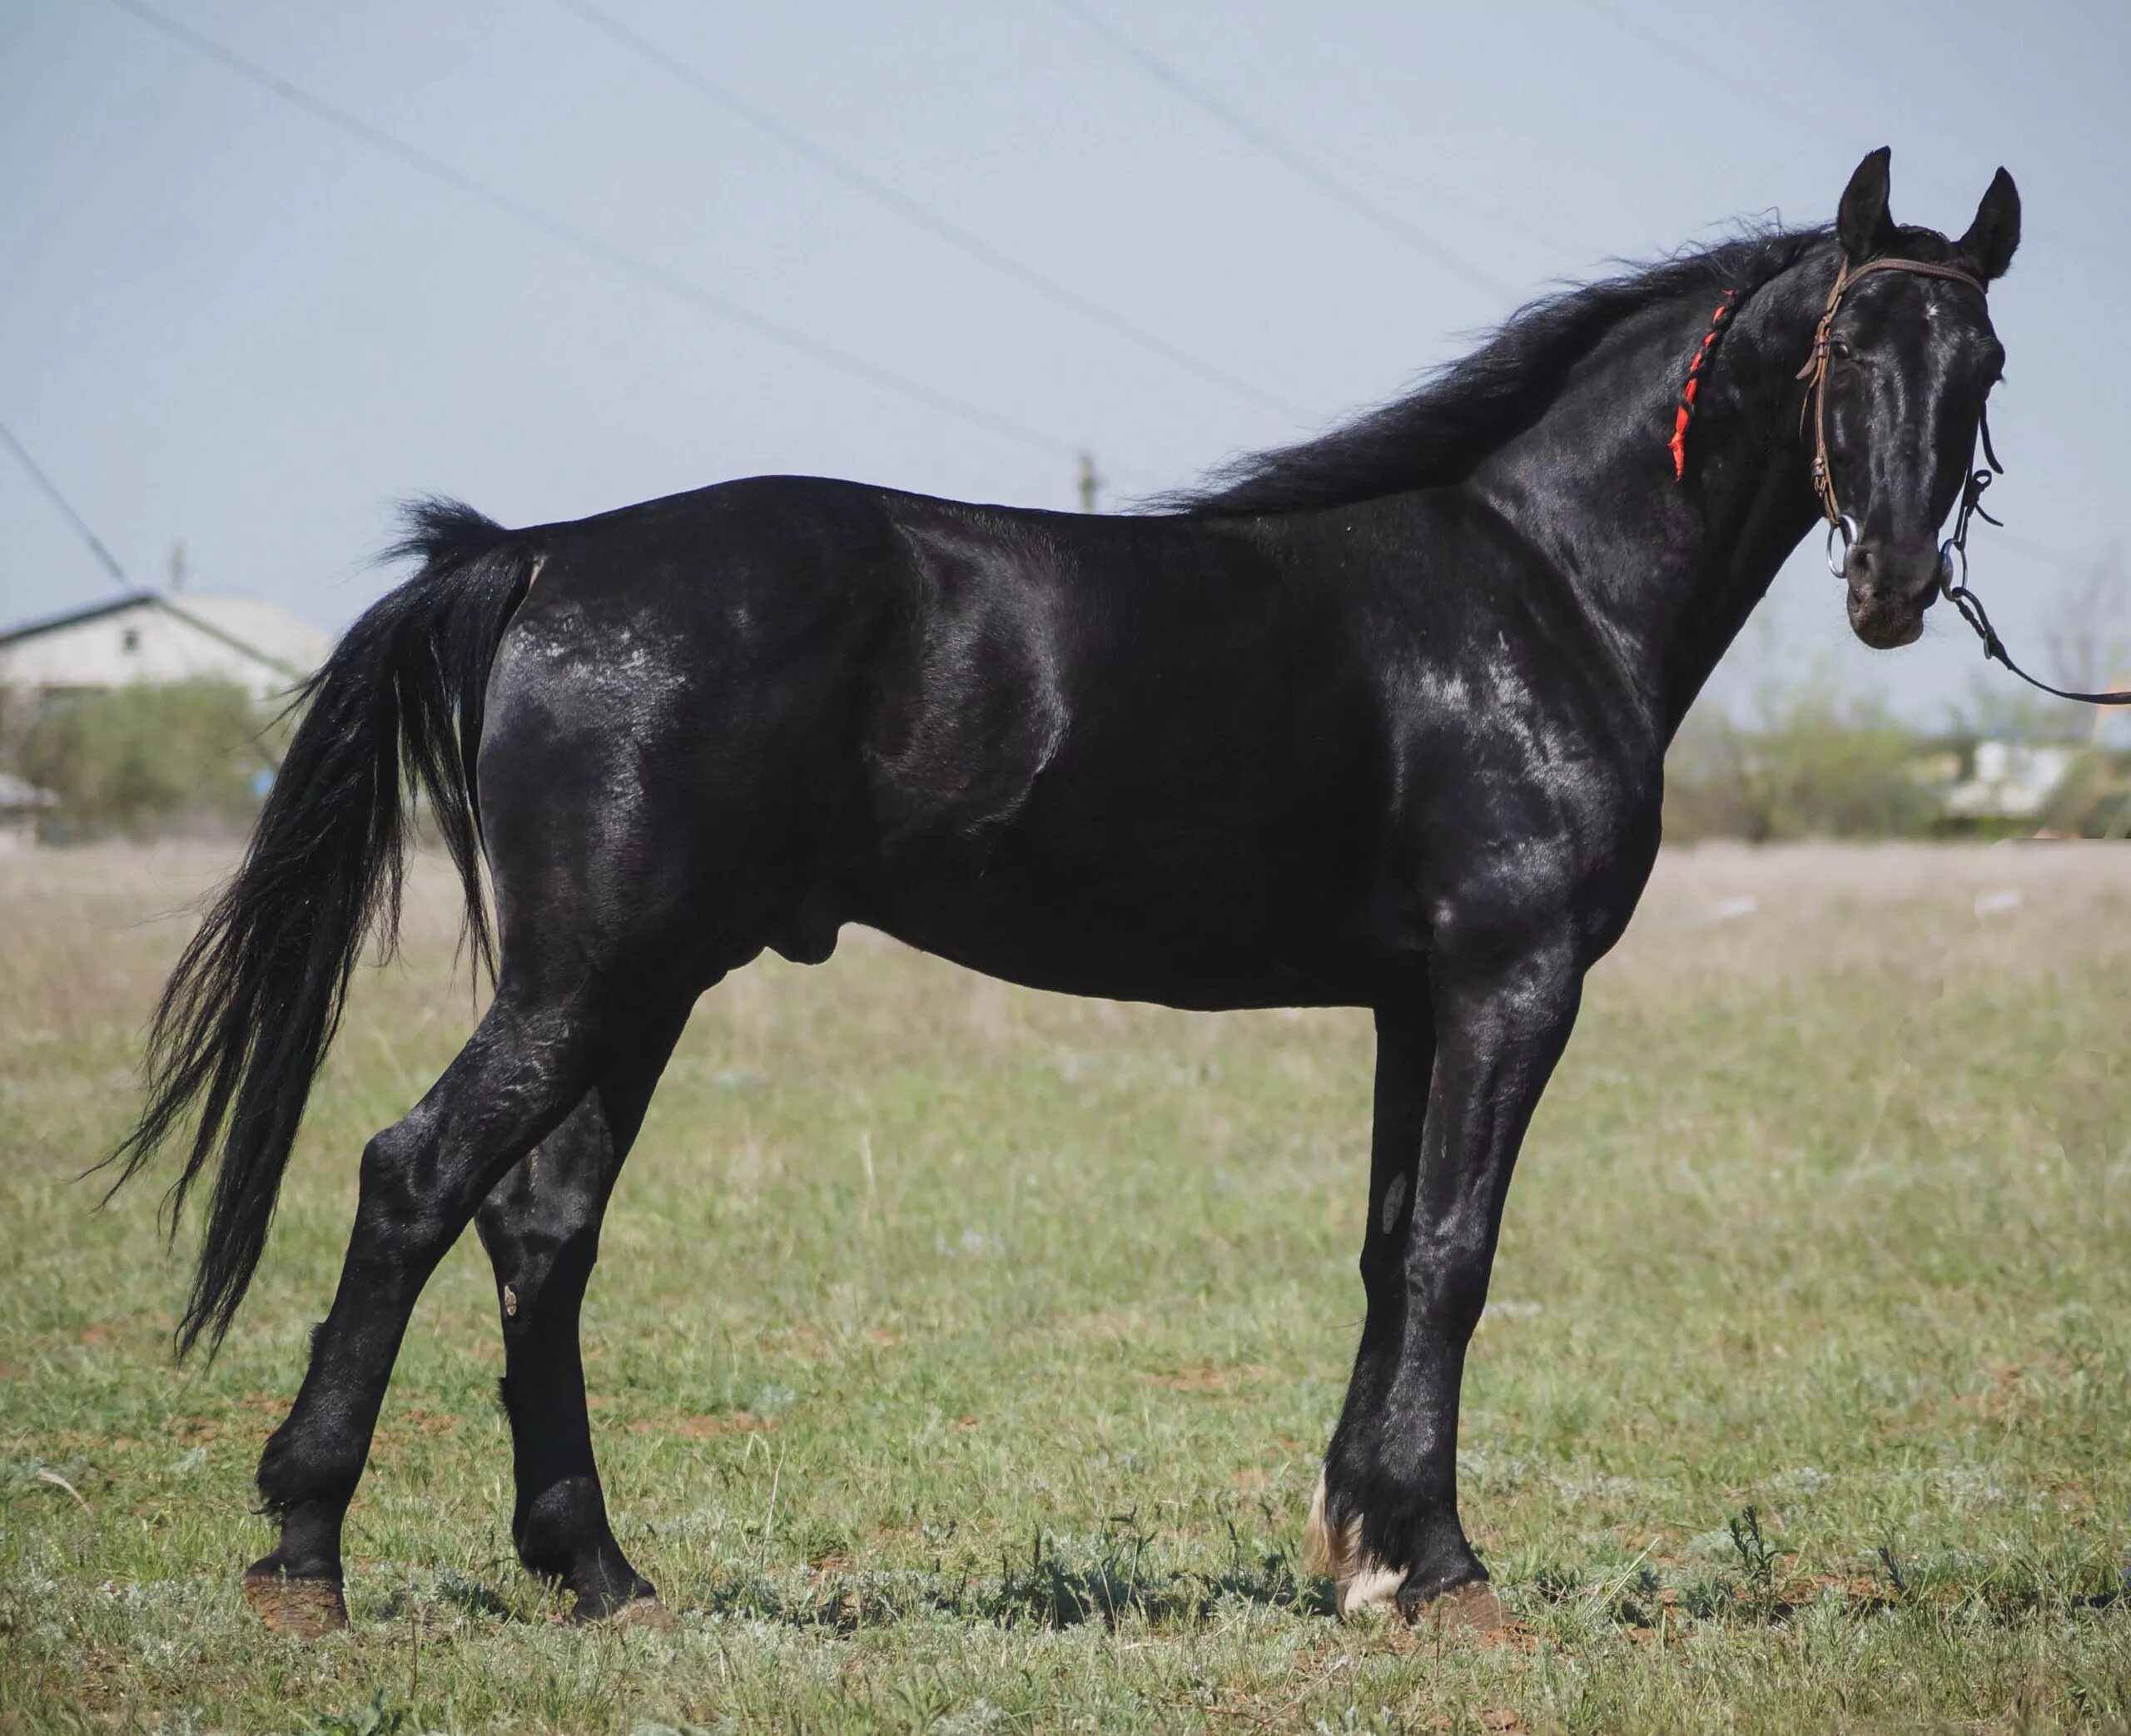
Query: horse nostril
x=1889, y=574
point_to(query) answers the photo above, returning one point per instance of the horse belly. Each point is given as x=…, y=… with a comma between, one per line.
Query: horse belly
x=1208, y=898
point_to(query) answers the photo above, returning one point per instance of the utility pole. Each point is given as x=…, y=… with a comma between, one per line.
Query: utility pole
x=1090, y=482
x=177, y=566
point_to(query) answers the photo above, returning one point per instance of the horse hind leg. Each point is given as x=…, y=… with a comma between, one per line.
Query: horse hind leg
x=540, y=1225
x=530, y=1060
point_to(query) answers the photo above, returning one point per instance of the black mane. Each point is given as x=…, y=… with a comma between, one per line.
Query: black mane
x=1437, y=434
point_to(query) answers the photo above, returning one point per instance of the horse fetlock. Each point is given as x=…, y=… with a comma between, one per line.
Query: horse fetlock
x=1332, y=1545
x=580, y=1556
x=562, y=1532
x=1418, y=1567
x=309, y=1543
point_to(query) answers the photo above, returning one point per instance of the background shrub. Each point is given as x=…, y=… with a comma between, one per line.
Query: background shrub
x=193, y=757
x=1819, y=764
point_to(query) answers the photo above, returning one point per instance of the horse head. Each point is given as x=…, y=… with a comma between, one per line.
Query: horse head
x=1903, y=361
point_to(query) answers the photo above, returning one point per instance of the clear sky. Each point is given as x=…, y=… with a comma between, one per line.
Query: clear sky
x=229, y=322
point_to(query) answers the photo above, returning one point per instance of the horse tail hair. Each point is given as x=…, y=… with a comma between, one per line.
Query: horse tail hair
x=247, y=1015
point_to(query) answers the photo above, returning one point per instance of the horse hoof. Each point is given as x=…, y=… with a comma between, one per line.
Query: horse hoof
x=638, y=1612
x=1472, y=1608
x=302, y=1609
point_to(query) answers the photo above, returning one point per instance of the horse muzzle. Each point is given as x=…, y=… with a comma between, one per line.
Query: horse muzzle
x=1890, y=591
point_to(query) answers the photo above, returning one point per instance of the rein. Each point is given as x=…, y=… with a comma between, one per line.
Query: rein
x=1953, y=552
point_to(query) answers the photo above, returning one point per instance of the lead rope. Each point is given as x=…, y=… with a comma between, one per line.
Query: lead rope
x=1954, y=588
x=1953, y=584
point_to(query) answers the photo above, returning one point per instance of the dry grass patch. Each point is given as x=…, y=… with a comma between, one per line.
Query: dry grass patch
x=961, y=1354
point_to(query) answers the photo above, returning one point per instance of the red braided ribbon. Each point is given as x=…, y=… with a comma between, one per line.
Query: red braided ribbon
x=1686, y=412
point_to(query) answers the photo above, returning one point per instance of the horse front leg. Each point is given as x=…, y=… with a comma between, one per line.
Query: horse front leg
x=1450, y=1115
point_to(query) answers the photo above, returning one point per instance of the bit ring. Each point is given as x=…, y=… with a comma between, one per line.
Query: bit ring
x=1846, y=528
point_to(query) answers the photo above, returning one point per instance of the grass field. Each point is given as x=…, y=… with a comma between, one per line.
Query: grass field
x=962, y=1356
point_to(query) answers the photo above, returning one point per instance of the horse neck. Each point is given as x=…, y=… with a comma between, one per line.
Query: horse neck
x=1671, y=567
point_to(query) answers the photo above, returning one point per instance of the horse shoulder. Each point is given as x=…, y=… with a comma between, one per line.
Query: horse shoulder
x=1535, y=814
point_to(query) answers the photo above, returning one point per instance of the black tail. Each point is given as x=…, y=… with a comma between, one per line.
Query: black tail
x=254, y=1001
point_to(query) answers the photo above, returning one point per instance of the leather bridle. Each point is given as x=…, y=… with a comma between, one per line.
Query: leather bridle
x=1815, y=370
x=1953, y=579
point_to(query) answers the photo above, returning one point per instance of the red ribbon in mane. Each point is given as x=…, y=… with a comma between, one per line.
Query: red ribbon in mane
x=1686, y=412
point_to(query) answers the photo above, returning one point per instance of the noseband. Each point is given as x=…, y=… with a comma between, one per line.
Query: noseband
x=1953, y=552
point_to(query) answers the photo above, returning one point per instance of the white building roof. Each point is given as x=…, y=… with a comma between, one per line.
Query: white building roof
x=18, y=793
x=149, y=637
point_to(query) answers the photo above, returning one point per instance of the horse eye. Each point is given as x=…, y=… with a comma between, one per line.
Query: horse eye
x=1840, y=350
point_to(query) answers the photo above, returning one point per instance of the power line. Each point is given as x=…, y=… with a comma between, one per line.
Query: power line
x=922, y=216
x=1709, y=72
x=591, y=246
x=105, y=558
x=1260, y=139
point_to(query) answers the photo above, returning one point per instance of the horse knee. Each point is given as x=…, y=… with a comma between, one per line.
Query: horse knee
x=387, y=1164
x=402, y=1199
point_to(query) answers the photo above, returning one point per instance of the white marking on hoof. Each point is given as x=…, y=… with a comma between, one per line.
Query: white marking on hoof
x=1373, y=1586
x=1360, y=1581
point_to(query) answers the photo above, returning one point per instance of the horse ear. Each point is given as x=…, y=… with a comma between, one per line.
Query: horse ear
x=1992, y=238
x=1862, y=221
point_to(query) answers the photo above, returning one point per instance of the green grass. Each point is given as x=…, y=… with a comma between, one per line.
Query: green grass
x=962, y=1356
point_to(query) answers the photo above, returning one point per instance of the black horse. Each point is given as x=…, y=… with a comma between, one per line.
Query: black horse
x=1377, y=720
